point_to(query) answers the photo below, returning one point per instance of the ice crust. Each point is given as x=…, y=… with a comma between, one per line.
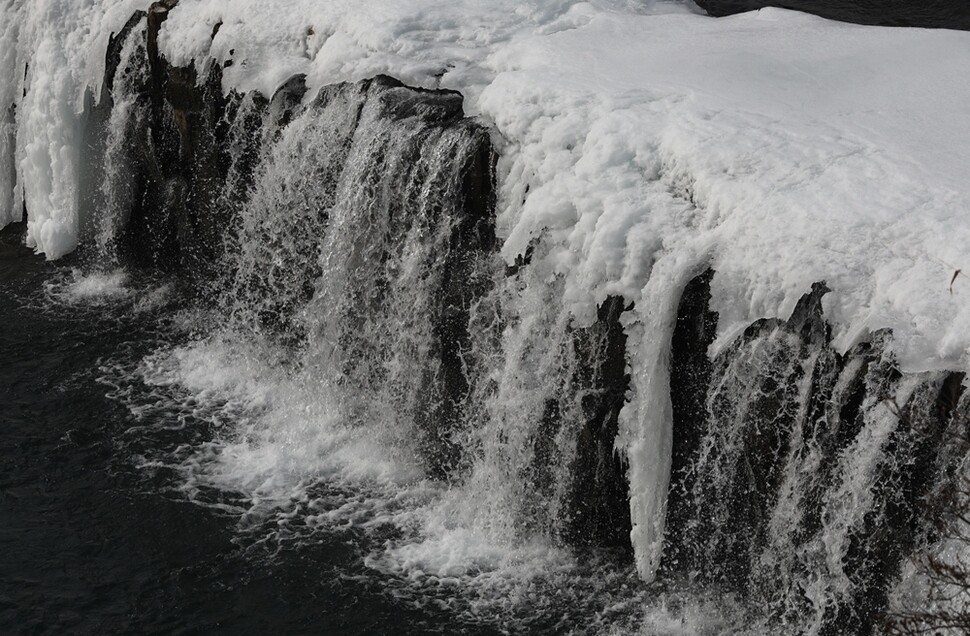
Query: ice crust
x=645, y=142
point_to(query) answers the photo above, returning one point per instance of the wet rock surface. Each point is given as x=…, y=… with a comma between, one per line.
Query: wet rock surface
x=939, y=14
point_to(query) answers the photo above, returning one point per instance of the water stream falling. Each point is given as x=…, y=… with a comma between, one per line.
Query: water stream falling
x=806, y=482
x=124, y=129
x=8, y=177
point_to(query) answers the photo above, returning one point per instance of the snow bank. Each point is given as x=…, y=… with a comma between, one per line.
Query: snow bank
x=644, y=144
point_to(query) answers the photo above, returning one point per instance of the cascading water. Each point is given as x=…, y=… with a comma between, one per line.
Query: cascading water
x=8, y=177
x=373, y=265
x=360, y=258
x=9, y=72
x=360, y=252
x=803, y=473
x=127, y=121
x=362, y=357
x=383, y=274
x=544, y=411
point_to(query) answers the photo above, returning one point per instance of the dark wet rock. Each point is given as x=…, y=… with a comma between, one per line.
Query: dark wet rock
x=599, y=506
x=473, y=240
x=942, y=14
x=182, y=216
x=112, y=56
x=690, y=377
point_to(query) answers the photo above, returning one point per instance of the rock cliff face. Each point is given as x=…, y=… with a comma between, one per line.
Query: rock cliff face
x=600, y=508
x=195, y=140
x=939, y=14
x=175, y=154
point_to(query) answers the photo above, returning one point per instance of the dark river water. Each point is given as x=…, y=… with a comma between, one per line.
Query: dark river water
x=91, y=544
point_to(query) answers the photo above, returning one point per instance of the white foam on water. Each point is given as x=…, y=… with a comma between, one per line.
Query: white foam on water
x=279, y=457
x=112, y=291
x=296, y=436
x=90, y=287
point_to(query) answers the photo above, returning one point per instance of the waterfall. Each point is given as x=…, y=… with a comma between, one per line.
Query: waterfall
x=349, y=236
x=8, y=175
x=801, y=474
x=8, y=118
x=366, y=242
x=125, y=125
x=355, y=228
x=544, y=414
x=358, y=240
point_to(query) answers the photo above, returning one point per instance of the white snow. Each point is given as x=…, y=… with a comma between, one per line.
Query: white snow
x=646, y=144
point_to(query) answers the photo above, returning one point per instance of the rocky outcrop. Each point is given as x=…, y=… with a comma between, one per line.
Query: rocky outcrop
x=940, y=14
x=599, y=507
x=690, y=378
x=181, y=214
